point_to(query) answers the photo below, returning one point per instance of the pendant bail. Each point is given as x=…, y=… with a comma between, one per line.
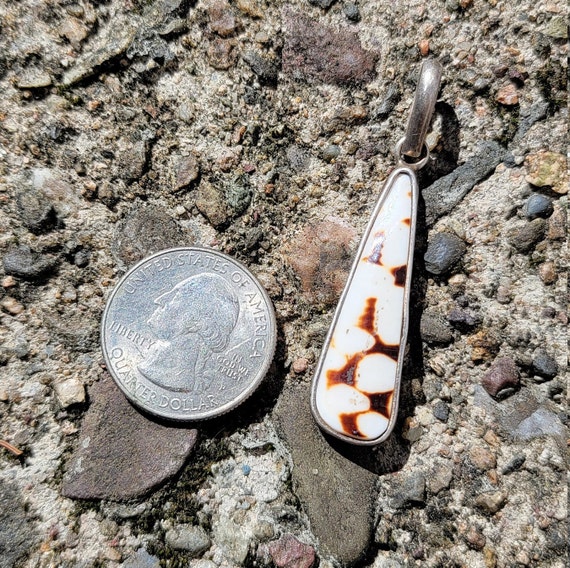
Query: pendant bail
x=413, y=142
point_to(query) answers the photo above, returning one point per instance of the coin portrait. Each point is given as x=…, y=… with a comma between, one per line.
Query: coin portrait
x=188, y=333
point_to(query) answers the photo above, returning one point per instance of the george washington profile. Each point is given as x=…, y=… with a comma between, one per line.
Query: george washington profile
x=193, y=320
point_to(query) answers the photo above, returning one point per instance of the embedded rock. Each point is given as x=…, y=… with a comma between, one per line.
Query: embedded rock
x=314, y=52
x=121, y=453
x=335, y=492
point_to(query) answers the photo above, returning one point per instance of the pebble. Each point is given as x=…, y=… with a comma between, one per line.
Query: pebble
x=18, y=530
x=340, y=490
x=190, y=538
x=516, y=463
x=222, y=53
x=484, y=344
x=115, y=440
x=36, y=212
x=222, y=19
x=446, y=192
x=544, y=365
x=557, y=28
x=229, y=536
x=440, y=478
x=538, y=205
x=441, y=411
x=540, y=423
x=410, y=490
x=266, y=69
x=187, y=171
x=23, y=262
x=557, y=224
x=464, y=320
x=12, y=306
x=316, y=52
x=491, y=502
x=507, y=95
x=144, y=231
x=300, y=365
x=351, y=11
x=526, y=237
x=547, y=272
x=434, y=329
x=32, y=78
x=443, y=251
x=475, y=538
x=141, y=559
x=70, y=392
x=289, y=552
x=324, y=4
x=547, y=169
x=502, y=375
x=327, y=256
x=482, y=458
x=330, y=153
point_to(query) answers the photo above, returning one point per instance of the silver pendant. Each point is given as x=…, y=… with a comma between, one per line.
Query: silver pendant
x=356, y=385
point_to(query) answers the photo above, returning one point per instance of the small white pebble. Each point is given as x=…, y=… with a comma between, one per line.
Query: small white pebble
x=69, y=392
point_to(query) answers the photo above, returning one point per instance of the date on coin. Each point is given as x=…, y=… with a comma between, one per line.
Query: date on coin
x=188, y=334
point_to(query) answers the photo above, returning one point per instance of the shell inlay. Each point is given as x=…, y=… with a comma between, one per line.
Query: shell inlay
x=355, y=386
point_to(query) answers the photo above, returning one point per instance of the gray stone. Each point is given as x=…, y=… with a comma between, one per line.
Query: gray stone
x=116, y=440
x=141, y=559
x=526, y=237
x=441, y=411
x=544, y=365
x=538, y=205
x=502, y=375
x=223, y=199
x=36, y=212
x=23, y=262
x=324, y=4
x=116, y=38
x=266, y=70
x=491, y=502
x=445, y=193
x=443, y=251
x=516, y=463
x=351, y=11
x=229, y=536
x=541, y=423
x=464, y=320
x=17, y=535
x=330, y=152
x=410, y=489
x=434, y=329
x=33, y=78
x=336, y=493
x=190, y=538
x=144, y=231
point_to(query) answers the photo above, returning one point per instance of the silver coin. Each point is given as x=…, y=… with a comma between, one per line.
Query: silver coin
x=188, y=333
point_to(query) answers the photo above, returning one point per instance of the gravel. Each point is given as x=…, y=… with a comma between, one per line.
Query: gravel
x=265, y=130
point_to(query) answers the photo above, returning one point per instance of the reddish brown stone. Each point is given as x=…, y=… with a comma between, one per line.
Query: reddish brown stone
x=508, y=95
x=288, y=552
x=222, y=54
x=502, y=374
x=317, y=53
x=122, y=454
x=222, y=19
x=321, y=256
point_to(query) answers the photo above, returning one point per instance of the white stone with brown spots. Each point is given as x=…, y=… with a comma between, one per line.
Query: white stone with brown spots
x=355, y=389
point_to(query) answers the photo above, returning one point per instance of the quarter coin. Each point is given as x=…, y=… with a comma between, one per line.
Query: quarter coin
x=188, y=333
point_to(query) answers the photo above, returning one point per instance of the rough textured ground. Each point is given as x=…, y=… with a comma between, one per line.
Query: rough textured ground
x=264, y=129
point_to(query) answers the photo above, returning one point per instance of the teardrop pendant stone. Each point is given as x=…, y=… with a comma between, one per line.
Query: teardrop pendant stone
x=356, y=385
